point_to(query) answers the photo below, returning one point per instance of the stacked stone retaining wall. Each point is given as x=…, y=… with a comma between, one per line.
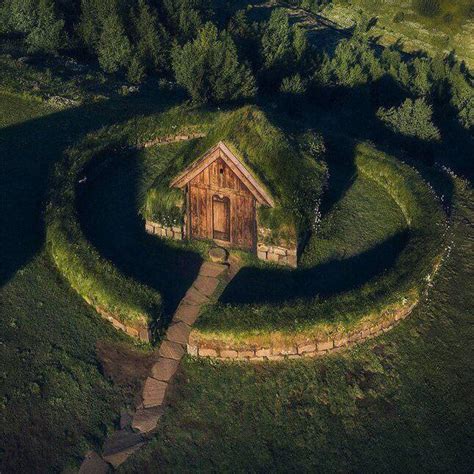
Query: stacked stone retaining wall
x=277, y=254
x=155, y=228
x=139, y=331
x=308, y=348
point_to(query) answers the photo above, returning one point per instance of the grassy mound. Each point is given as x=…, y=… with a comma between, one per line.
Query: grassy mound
x=316, y=311
x=283, y=165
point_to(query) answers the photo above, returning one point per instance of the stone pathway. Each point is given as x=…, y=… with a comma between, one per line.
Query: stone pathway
x=136, y=429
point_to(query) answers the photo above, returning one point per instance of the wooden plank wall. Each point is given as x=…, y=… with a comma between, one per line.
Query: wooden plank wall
x=219, y=179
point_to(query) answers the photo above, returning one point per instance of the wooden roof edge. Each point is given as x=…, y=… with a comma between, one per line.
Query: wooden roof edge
x=194, y=169
x=241, y=167
x=175, y=182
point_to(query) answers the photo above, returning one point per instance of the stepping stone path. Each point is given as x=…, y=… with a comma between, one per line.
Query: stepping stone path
x=136, y=430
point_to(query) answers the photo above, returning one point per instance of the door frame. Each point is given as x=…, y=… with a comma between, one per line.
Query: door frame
x=225, y=199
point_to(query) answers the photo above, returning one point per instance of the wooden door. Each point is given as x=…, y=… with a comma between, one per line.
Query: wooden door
x=221, y=218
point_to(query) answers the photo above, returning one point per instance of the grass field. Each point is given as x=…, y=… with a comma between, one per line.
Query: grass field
x=401, y=403
x=408, y=393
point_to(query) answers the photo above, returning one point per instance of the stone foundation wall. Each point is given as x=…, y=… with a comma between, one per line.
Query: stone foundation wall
x=163, y=140
x=277, y=254
x=155, y=228
x=309, y=348
x=140, y=331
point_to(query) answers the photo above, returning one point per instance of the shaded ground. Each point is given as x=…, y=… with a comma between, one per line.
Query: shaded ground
x=108, y=209
x=126, y=366
x=54, y=400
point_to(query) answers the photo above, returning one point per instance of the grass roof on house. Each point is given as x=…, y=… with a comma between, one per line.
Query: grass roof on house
x=280, y=163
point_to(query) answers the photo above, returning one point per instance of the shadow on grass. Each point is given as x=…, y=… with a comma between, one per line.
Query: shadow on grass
x=108, y=211
x=274, y=285
x=28, y=151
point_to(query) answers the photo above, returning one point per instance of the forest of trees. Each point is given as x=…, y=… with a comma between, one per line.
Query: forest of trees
x=220, y=54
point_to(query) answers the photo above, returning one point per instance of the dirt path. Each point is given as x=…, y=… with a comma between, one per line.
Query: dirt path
x=136, y=430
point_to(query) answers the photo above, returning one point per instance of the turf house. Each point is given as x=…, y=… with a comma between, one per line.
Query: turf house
x=237, y=192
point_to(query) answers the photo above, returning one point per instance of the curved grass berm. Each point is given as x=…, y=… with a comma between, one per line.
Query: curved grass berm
x=129, y=305
x=310, y=321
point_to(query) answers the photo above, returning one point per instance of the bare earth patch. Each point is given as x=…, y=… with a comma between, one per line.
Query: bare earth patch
x=126, y=366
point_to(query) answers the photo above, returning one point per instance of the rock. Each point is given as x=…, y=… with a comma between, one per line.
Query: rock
x=119, y=446
x=229, y=354
x=178, y=332
x=247, y=353
x=171, y=350
x=263, y=352
x=218, y=254
x=204, y=352
x=194, y=297
x=262, y=255
x=306, y=348
x=146, y=419
x=93, y=464
x=125, y=419
x=164, y=369
x=154, y=392
x=192, y=350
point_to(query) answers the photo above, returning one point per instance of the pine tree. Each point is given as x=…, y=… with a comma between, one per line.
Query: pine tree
x=114, y=49
x=22, y=15
x=277, y=41
x=48, y=33
x=411, y=119
x=151, y=38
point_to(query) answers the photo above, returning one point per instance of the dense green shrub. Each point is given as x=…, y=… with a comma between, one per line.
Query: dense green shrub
x=209, y=68
x=412, y=119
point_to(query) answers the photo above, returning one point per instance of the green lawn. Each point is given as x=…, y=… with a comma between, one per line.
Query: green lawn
x=400, y=403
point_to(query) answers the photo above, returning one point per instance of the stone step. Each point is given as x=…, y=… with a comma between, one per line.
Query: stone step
x=178, y=332
x=194, y=297
x=146, y=420
x=187, y=313
x=171, y=350
x=210, y=269
x=93, y=464
x=120, y=445
x=206, y=285
x=164, y=369
x=154, y=392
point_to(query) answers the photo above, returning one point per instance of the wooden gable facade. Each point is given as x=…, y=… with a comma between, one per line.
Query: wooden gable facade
x=221, y=199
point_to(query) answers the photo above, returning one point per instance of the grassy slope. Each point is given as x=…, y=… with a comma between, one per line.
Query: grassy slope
x=337, y=292
x=400, y=403
x=118, y=231
x=354, y=230
x=451, y=29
